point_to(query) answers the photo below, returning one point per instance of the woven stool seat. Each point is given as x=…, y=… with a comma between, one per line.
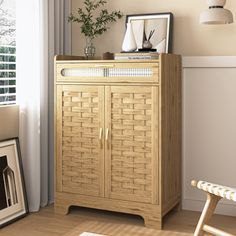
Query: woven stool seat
x=219, y=190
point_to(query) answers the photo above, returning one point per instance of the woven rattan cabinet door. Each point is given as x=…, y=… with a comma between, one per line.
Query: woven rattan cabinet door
x=131, y=125
x=80, y=139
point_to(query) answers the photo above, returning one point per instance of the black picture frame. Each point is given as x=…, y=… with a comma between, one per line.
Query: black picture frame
x=165, y=16
x=13, y=200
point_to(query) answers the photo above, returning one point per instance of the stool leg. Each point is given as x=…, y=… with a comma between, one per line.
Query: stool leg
x=207, y=213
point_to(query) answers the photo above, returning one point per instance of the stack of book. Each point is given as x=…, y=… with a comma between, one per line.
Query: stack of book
x=136, y=56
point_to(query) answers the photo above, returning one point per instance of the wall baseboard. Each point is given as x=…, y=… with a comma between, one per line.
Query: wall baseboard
x=197, y=205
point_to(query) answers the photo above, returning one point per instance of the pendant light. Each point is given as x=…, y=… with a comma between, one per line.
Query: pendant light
x=216, y=14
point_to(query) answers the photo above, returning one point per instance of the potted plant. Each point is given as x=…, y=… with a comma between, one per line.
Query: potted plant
x=93, y=23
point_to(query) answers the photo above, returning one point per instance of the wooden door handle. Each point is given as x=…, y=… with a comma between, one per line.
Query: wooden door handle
x=107, y=138
x=100, y=137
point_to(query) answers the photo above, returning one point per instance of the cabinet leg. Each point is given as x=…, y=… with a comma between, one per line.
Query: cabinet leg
x=62, y=210
x=153, y=223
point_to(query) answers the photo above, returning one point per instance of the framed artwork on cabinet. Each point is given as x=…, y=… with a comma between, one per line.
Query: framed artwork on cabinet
x=13, y=204
x=155, y=28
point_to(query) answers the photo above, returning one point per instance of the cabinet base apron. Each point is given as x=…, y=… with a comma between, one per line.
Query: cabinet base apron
x=150, y=213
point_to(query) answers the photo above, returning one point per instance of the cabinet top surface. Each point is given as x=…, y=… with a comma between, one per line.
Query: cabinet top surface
x=64, y=59
x=74, y=61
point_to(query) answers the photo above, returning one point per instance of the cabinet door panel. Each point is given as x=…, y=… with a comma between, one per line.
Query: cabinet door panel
x=132, y=143
x=80, y=152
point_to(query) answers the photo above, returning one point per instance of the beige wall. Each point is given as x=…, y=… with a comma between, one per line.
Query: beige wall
x=9, y=122
x=190, y=38
x=209, y=128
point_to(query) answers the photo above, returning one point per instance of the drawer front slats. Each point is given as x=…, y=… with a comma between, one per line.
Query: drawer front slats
x=113, y=72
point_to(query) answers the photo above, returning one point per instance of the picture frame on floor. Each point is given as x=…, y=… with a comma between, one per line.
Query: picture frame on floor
x=154, y=30
x=13, y=203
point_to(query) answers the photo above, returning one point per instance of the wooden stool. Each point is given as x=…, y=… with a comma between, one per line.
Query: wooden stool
x=214, y=192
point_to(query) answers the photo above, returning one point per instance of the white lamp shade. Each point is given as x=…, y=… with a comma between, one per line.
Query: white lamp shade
x=216, y=16
x=216, y=3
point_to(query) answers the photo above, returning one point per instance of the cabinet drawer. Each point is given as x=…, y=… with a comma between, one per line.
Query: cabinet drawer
x=144, y=72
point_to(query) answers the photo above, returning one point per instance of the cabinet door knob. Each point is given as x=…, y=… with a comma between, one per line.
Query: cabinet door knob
x=100, y=137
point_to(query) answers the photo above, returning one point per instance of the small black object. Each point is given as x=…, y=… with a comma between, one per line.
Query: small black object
x=147, y=50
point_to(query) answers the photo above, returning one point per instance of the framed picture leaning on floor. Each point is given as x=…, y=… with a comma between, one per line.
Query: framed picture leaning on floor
x=13, y=204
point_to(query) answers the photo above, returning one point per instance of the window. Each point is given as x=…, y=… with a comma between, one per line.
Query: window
x=7, y=52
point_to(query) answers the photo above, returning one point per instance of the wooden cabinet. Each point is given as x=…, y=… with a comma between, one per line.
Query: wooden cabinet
x=118, y=136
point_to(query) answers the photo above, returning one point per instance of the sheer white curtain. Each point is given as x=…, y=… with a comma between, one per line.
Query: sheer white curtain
x=32, y=86
x=41, y=33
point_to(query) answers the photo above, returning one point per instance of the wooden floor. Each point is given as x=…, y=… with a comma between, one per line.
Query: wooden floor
x=46, y=223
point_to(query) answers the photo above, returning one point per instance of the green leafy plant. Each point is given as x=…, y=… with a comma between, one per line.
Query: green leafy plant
x=92, y=26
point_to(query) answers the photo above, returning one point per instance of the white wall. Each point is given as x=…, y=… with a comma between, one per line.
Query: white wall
x=209, y=127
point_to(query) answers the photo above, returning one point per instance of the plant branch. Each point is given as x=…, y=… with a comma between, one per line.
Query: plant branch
x=91, y=26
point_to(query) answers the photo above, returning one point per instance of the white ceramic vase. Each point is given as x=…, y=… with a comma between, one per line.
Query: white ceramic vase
x=129, y=43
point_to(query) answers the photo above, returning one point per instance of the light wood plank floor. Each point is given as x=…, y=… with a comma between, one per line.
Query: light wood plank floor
x=47, y=223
